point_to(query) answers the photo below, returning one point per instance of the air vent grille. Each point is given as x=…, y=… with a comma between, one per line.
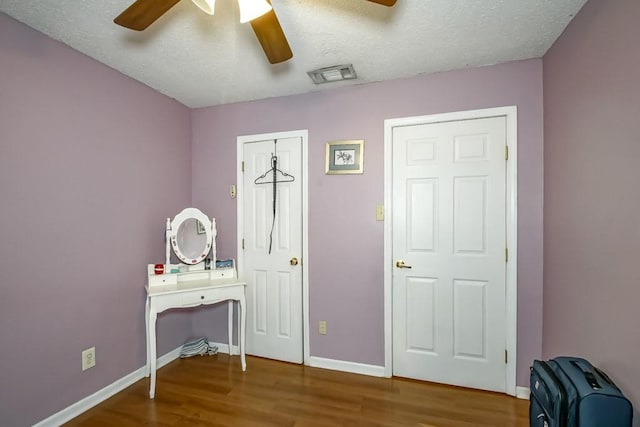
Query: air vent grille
x=333, y=74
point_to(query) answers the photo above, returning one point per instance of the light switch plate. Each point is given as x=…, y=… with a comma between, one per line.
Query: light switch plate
x=322, y=327
x=379, y=212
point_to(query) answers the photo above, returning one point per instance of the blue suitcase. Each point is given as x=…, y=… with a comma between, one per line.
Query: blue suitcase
x=570, y=392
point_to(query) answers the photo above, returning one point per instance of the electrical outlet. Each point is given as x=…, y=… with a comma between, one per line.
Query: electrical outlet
x=322, y=327
x=88, y=358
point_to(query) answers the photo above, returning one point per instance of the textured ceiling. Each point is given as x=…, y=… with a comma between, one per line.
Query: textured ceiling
x=203, y=60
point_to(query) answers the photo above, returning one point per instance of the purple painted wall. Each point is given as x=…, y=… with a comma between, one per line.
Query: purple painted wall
x=83, y=165
x=84, y=191
x=342, y=226
x=592, y=237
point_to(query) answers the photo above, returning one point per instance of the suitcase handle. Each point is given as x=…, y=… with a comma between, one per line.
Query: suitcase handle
x=588, y=375
x=606, y=378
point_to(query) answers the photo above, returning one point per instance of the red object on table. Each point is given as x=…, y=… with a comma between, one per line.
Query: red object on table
x=158, y=268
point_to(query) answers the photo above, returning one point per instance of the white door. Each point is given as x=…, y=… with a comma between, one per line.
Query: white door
x=449, y=230
x=271, y=258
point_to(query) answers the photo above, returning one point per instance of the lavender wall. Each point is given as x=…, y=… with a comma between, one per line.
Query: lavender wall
x=342, y=208
x=592, y=237
x=84, y=190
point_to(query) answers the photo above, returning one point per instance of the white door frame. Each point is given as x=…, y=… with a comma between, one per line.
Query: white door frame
x=304, y=138
x=510, y=114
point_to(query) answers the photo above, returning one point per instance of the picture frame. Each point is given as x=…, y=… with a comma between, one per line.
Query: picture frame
x=344, y=157
x=200, y=227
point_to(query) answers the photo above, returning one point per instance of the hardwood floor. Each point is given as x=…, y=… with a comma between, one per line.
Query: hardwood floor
x=213, y=391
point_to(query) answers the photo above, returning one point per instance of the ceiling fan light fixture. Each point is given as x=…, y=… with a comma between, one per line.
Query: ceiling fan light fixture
x=333, y=74
x=252, y=9
x=207, y=6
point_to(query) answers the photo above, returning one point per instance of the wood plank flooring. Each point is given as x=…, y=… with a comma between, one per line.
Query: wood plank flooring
x=213, y=391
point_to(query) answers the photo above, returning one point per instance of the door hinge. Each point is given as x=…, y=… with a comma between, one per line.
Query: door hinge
x=506, y=152
x=506, y=254
x=243, y=244
x=506, y=357
x=242, y=166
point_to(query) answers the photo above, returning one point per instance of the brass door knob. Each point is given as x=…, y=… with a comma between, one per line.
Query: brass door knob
x=293, y=261
x=401, y=264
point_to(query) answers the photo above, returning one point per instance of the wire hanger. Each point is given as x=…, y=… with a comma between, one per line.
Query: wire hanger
x=274, y=171
x=274, y=181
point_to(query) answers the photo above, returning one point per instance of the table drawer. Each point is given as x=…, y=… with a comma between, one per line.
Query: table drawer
x=205, y=296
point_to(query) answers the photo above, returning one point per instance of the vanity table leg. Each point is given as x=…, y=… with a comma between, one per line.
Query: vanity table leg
x=243, y=324
x=230, y=325
x=151, y=333
x=146, y=328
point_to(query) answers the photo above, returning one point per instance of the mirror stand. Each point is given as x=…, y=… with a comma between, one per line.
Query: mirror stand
x=191, y=235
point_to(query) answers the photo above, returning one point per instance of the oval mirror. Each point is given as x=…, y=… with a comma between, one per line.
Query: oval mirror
x=191, y=236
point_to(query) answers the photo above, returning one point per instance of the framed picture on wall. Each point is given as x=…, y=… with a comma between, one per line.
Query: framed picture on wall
x=344, y=157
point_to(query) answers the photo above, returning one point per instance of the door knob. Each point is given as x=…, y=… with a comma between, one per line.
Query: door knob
x=293, y=261
x=401, y=264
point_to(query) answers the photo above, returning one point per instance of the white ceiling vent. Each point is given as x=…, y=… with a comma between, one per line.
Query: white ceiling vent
x=333, y=74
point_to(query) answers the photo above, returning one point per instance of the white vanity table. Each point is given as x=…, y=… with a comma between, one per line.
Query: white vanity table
x=174, y=286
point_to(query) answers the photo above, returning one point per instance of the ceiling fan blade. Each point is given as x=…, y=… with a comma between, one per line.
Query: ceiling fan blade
x=143, y=13
x=384, y=2
x=272, y=38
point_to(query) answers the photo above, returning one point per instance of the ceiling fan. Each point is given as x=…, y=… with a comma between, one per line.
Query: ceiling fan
x=264, y=21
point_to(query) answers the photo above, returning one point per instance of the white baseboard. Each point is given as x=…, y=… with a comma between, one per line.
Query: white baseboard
x=89, y=402
x=168, y=357
x=100, y=396
x=376, y=371
x=224, y=348
x=523, y=393
x=352, y=367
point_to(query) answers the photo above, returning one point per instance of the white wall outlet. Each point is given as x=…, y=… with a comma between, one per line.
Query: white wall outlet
x=88, y=358
x=232, y=191
x=322, y=327
x=379, y=212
